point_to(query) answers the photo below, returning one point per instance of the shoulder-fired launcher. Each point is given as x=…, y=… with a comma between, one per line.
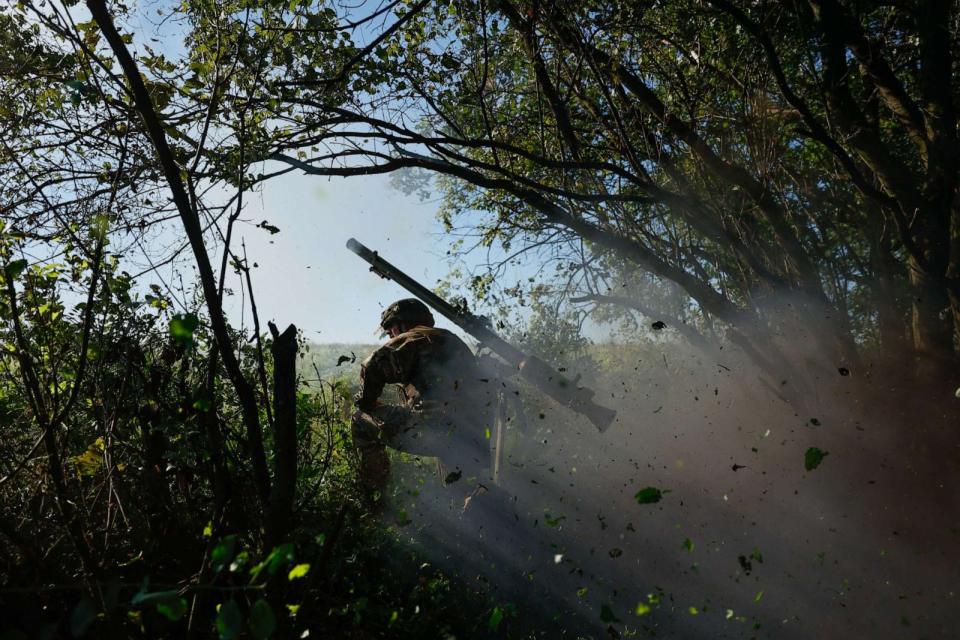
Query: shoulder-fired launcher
x=531, y=368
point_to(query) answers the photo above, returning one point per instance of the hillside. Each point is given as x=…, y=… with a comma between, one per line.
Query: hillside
x=323, y=358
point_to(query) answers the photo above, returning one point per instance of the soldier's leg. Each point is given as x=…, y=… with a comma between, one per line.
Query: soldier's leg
x=372, y=432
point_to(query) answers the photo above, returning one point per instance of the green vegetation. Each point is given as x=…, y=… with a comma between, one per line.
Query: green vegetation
x=332, y=362
x=777, y=179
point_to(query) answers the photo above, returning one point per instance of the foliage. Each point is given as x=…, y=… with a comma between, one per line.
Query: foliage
x=783, y=175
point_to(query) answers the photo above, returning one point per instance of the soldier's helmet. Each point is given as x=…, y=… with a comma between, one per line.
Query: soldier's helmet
x=408, y=311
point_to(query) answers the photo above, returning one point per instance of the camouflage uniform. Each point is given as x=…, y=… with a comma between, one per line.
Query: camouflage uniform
x=442, y=410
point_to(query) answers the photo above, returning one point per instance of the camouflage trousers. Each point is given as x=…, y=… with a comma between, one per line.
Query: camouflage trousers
x=452, y=438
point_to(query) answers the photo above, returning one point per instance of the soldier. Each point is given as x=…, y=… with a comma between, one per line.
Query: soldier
x=443, y=404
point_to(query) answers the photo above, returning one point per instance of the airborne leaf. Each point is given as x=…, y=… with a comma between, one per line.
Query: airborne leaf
x=813, y=458
x=648, y=495
x=553, y=522
x=269, y=227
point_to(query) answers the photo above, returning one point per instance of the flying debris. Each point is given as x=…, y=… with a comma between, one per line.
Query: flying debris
x=351, y=359
x=269, y=227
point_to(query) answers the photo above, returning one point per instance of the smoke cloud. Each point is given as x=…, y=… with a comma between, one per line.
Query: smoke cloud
x=713, y=508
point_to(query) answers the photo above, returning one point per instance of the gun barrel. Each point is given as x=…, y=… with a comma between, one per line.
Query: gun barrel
x=531, y=368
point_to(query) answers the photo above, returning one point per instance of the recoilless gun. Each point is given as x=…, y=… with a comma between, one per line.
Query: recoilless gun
x=532, y=369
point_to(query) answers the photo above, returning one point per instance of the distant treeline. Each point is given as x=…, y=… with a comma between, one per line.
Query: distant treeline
x=333, y=361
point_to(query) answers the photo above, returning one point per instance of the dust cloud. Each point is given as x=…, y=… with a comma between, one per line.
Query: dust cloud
x=836, y=516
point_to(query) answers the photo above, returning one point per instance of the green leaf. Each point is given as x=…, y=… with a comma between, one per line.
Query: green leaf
x=642, y=609
x=223, y=553
x=173, y=609
x=813, y=458
x=84, y=615
x=15, y=268
x=262, y=621
x=606, y=614
x=298, y=571
x=553, y=522
x=278, y=557
x=229, y=621
x=688, y=545
x=99, y=227
x=759, y=595
x=182, y=327
x=648, y=495
x=496, y=617
x=242, y=558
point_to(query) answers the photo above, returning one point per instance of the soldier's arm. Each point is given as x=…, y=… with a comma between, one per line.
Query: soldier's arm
x=386, y=365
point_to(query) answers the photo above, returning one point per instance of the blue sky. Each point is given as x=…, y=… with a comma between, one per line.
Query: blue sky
x=306, y=275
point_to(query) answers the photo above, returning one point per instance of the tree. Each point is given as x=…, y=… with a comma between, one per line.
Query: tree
x=791, y=166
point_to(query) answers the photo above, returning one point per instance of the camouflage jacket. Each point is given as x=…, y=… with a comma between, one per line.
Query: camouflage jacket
x=432, y=366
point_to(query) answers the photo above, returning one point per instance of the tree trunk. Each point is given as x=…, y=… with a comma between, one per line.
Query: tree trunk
x=284, y=349
x=891, y=321
x=930, y=324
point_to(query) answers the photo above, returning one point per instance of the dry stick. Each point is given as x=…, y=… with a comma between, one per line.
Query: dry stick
x=232, y=219
x=222, y=483
x=261, y=367
x=222, y=480
x=191, y=224
x=23, y=463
